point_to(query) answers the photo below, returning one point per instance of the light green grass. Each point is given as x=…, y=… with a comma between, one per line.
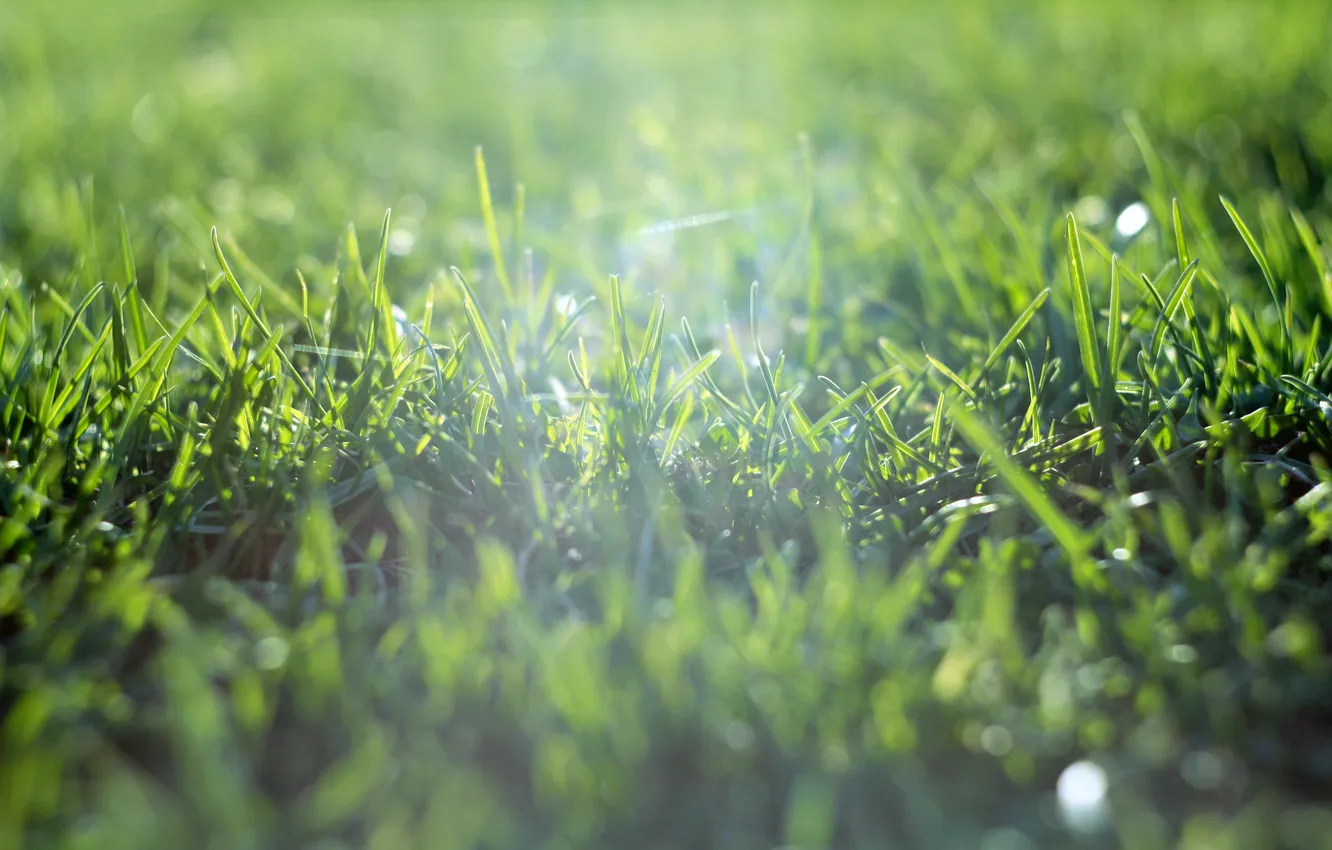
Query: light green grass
x=747, y=428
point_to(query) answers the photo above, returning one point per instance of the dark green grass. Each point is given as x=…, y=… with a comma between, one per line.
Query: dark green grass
x=523, y=516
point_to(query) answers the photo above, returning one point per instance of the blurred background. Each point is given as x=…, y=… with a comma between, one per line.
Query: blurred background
x=660, y=142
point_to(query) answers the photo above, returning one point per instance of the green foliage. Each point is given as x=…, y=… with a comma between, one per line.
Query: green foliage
x=520, y=531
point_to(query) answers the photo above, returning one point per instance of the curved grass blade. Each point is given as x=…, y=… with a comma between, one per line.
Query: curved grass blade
x=686, y=410
x=1019, y=325
x=254, y=317
x=682, y=383
x=563, y=332
x=953, y=376
x=1272, y=286
x=1082, y=316
x=1168, y=308
x=843, y=404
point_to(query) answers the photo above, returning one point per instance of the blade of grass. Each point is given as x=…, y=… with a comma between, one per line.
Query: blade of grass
x=492, y=229
x=1088, y=346
x=684, y=381
x=1272, y=286
x=1019, y=325
x=1029, y=491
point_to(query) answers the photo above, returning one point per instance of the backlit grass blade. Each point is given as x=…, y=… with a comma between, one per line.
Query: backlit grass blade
x=1316, y=255
x=493, y=358
x=492, y=229
x=732, y=409
x=769, y=382
x=61, y=406
x=1256, y=250
x=1113, y=339
x=1029, y=491
x=654, y=321
x=72, y=323
x=681, y=418
x=1031, y=417
x=131, y=286
x=254, y=317
x=843, y=404
x=1015, y=330
x=654, y=352
x=682, y=383
x=1083, y=318
x=379, y=297
x=1172, y=302
x=1181, y=246
x=620, y=335
x=953, y=376
x=120, y=353
x=564, y=330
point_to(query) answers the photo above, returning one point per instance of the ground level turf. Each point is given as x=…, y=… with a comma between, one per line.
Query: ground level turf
x=783, y=425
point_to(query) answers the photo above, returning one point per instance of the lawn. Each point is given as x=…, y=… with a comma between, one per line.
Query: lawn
x=592, y=425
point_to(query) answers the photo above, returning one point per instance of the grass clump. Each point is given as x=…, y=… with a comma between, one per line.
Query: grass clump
x=995, y=513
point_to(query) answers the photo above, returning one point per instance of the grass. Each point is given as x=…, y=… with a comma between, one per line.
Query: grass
x=521, y=515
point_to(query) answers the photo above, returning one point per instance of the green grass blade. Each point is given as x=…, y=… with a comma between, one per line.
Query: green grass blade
x=1028, y=490
x=131, y=285
x=953, y=376
x=681, y=418
x=1170, y=306
x=684, y=381
x=492, y=229
x=1092, y=356
x=1115, y=331
x=379, y=297
x=254, y=316
x=1015, y=330
x=1273, y=287
x=1181, y=247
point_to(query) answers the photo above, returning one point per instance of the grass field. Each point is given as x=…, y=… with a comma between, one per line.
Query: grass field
x=580, y=426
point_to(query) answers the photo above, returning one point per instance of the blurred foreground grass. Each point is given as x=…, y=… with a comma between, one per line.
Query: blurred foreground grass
x=969, y=526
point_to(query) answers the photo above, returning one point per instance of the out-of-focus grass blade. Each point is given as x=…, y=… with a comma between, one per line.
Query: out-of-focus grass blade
x=814, y=301
x=681, y=417
x=568, y=326
x=492, y=229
